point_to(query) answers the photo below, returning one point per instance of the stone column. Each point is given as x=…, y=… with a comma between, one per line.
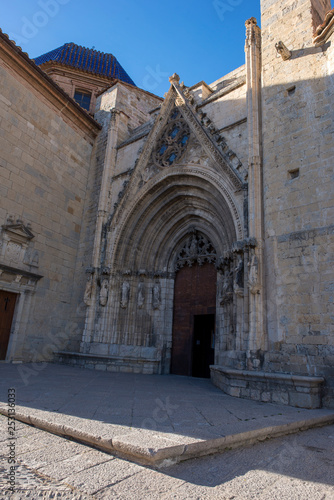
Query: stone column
x=101, y=219
x=257, y=336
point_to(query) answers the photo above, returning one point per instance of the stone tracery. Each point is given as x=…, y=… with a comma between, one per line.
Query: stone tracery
x=197, y=249
x=173, y=141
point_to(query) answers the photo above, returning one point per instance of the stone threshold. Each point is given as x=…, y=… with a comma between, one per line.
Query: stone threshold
x=294, y=390
x=161, y=449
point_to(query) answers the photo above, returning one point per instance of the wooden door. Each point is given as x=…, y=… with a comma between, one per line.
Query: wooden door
x=194, y=294
x=7, y=306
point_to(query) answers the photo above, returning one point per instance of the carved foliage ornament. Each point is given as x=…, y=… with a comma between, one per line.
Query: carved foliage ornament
x=173, y=141
x=197, y=249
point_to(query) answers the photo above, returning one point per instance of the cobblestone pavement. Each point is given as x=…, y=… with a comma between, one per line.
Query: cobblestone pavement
x=295, y=467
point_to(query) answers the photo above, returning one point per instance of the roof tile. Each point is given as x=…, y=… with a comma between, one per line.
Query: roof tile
x=89, y=60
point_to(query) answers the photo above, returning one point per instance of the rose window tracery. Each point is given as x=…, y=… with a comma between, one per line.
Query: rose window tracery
x=173, y=141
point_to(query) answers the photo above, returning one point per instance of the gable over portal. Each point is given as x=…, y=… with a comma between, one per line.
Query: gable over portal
x=182, y=177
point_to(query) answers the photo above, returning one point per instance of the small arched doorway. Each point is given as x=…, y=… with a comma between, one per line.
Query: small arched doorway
x=194, y=320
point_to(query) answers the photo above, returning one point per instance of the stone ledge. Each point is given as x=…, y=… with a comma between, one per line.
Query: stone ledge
x=109, y=363
x=293, y=390
x=158, y=449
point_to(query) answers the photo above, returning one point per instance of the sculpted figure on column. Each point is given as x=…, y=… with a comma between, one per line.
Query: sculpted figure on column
x=104, y=292
x=156, y=295
x=141, y=294
x=253, y=279
x=125, y=294
x=88, y=290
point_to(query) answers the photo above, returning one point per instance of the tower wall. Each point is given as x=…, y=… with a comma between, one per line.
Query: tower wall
x=297, y=107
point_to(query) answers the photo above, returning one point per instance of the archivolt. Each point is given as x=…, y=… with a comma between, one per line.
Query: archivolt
x=153, y=227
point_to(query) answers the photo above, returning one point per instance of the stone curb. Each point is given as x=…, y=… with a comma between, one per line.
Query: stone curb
x=169, y=455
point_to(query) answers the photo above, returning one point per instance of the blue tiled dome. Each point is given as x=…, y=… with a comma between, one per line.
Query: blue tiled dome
x=90, y=60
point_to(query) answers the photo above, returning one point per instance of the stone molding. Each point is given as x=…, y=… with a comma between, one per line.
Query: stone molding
x=325, y=30
x=239, y=82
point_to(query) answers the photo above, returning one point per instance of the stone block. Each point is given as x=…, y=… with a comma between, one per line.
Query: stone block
x=280, y=397
x=114, y=350
x=244, y=392
x=129, y=351
x=148, y=369
x=101, y=366
x=255, y=394
x=148, y=353
x=233, y=391
x=101, y=349
x=302, y=400
x=266, y=396
x=113, y=368
x=126, y=369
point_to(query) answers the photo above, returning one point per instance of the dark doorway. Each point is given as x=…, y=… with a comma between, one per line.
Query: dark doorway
x=194, y=297
x=204, y=345
x=7, y=306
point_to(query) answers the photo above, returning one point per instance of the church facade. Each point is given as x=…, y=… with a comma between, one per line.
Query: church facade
x=190, y=235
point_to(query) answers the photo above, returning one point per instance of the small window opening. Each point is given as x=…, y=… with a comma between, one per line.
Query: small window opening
x=293, y=174
x=83, y=99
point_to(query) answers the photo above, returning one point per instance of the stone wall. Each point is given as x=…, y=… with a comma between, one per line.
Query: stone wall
x=44, y=166
x=298, y=193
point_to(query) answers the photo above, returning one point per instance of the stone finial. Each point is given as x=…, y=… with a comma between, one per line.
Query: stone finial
x=174, y=78
x=253, y=32
x=283, y=51
x=251, y=22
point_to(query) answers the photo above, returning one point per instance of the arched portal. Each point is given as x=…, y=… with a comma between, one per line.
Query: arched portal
x=194, y=320
x=149, y=241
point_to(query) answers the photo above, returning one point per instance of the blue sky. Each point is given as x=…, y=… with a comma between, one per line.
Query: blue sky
x=199, y=40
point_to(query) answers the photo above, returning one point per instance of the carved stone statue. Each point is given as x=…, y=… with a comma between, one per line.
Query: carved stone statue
x=104, y=292
x=156, y=300
x=239, y=277
x=88, y=290
x=193, y=246
x=141, y=294
x=227, y=282
x=253, y=275
x=226, y=288
x=125, y=294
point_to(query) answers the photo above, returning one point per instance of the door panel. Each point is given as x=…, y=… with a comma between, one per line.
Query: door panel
x=194, y=294
x=7, y=306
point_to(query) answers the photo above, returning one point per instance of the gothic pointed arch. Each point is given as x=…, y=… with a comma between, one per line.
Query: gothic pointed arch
x=168, y=207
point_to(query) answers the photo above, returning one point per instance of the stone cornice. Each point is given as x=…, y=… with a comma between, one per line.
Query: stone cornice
x=200, y=84
x=239, y=82
x=325, y=30
x=21, y=272
x=20, y=63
